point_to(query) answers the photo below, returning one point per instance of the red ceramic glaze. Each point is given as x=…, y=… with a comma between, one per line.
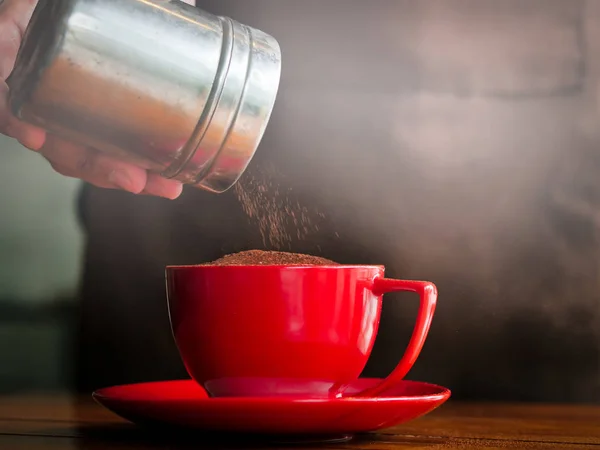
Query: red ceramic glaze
x=185, y=404
x=285, y=330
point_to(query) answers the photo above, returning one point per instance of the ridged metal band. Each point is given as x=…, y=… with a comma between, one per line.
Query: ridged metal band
x=238, y=110
x=191, y=148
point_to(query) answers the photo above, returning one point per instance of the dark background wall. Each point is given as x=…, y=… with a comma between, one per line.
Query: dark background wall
x=454, y=140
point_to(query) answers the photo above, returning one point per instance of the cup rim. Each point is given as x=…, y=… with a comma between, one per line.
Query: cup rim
x=208, y=266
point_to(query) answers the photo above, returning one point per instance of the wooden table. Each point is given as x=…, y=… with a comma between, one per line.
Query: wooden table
x=62, y=422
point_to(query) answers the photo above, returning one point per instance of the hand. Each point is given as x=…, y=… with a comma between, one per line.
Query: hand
x=66, y=158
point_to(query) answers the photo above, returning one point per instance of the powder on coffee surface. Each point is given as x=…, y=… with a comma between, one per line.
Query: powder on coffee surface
x=270, y=258
x=279, y=217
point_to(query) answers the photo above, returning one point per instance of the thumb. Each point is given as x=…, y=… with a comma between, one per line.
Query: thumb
x=18, y=11
x=14, y=17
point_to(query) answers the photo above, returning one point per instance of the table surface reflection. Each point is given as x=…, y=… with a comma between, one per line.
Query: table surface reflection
x=66, y=422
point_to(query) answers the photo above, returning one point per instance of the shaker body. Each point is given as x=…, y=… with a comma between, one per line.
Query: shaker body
x=160, y=83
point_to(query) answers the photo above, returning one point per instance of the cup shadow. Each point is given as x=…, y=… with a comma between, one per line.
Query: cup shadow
x=158, y=435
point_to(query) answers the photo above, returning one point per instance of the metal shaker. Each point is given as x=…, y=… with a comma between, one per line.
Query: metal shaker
x=177, y=90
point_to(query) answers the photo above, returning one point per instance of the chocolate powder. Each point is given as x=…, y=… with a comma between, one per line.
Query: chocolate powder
x=280, y=218
x=269, y=258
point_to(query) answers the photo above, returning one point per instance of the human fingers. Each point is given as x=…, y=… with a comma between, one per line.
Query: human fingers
x=99, y=169
x=162, y=187
x=105, y=171
x=28, y=135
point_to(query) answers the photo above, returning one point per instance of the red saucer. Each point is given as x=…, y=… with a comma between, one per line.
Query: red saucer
x=185, y=404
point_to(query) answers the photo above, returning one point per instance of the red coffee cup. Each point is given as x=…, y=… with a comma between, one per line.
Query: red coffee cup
x=303, y=331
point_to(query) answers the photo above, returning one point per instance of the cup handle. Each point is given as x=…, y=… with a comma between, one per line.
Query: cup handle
x=428, y=298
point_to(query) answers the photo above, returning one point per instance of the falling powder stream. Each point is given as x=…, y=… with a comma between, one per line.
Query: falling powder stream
x=280, y=218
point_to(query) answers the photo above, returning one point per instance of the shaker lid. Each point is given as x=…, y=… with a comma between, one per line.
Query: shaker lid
x=237, y=111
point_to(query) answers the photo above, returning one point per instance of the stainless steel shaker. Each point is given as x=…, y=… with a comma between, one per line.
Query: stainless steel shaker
x=177, y=90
